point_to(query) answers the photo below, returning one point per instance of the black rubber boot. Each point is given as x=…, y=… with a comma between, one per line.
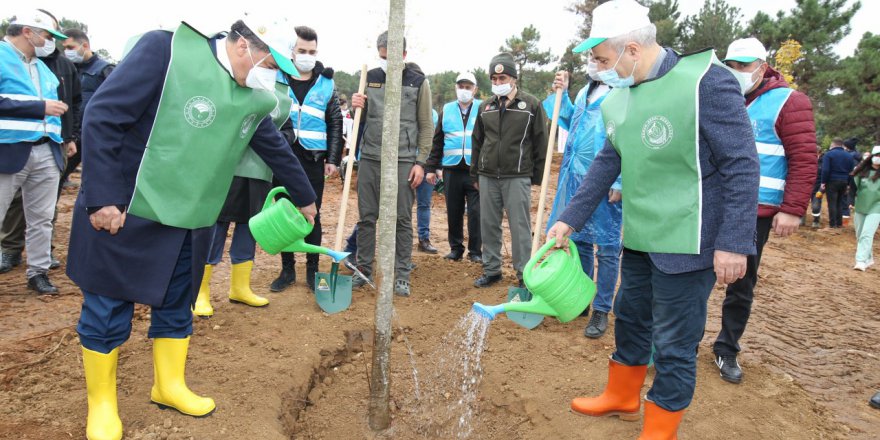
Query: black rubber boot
x=287, y=275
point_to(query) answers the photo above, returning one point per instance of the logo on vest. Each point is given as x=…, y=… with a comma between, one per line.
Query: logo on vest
x=657, y=132
x=610, y=130
x=199, y=111
x=247, y=125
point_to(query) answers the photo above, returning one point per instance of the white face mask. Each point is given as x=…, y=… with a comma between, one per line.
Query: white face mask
x=304, y=62
x=746, y=82
x=464, y=96
x=45, y=50
x=593, y=71
x=383, y=64
x=875, y=160
x=260, y=78
x=502, y=89
x=74, y=56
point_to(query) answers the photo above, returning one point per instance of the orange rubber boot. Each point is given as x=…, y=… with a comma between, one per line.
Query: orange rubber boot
x=621, y=397
x=659, y=423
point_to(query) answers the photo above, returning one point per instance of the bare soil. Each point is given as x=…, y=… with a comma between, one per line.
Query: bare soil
x=810, y=356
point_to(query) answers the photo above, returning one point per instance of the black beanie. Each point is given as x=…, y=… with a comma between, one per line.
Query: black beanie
x=503, y=63
x=851, y=143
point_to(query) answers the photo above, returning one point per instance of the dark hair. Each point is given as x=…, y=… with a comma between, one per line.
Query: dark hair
x=239, y=29
x=863, y=169
x=306, y=33
x=14, y=30
x=382, y=41
x=77, y=35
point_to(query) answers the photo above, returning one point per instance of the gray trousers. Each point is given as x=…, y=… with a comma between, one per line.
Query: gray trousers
x=368, y=187
x=38, y=181
x=514, y=196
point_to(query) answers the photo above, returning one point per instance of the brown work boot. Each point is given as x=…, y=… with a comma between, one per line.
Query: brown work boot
x=621, y=397
x=659, y=423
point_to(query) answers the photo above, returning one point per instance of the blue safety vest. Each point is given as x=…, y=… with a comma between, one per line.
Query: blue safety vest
x=308, y=117
x=764, y=111
x=457, y=139
x=16, y=84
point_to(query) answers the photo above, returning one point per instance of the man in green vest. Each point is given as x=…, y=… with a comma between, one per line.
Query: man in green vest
x=680, y=137
x=162, y=139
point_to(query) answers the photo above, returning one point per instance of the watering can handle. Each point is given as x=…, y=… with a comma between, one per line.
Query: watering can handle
x=270, y=199
x=543, y=250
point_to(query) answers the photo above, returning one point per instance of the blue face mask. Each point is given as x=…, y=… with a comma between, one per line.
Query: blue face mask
x=612, y=79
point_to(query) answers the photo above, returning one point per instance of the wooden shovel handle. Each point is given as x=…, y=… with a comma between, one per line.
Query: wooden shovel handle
x=346, y=184
x=548, y=161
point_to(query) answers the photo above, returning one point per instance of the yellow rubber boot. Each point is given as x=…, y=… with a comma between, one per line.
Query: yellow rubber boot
x=203, y=301
x=100, y=369
x=169, y=384
x=240, y=291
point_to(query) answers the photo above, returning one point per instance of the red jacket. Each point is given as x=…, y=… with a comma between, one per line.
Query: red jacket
x=797, y=130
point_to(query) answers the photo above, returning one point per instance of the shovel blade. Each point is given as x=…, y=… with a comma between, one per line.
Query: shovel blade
x=527, y=320
x=332, y=297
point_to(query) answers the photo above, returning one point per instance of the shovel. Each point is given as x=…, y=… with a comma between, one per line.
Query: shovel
x=521, y=294
x=333, y=290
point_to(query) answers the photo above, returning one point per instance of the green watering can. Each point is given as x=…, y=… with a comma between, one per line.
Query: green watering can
x=280, y=227
x=559, y=286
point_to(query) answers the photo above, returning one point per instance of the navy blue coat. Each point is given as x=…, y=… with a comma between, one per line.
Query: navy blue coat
x=136, y=264
x=730, y=167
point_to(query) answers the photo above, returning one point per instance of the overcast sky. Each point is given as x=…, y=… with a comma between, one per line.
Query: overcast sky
x=441, y=35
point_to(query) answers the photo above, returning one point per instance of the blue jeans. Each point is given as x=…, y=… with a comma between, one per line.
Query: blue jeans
x=105, y=323
x=668, y=310
x=243, y=246
x=423, y=209
x=606, y=279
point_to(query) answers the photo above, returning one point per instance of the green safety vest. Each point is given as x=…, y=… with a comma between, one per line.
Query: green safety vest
x=251, y=165
x=203, y=125
x=654, y=128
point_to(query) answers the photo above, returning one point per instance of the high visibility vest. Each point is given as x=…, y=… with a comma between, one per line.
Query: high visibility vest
x=16, y=84
x=764, y=111
x=308, y=117
x=457, y=138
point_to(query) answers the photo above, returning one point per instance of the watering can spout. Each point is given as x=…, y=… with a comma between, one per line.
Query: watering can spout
x=536, y=305
x=301, y=246
x=488, y=311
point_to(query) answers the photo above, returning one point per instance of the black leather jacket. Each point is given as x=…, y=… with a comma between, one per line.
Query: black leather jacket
x=69, y=92
x=333, y=118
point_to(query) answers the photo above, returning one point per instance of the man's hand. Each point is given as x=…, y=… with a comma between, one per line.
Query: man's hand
x=477, y=185
x=561, y=80
x=416, y=175
x=55, y=108
x=329, y=169
x=729, y=267
x=71, y=149
x=108, y=218
x=614, y=196
x=309, y=212
x=560, y=231
x=822, y=187
x=431, y=178
x=785, y=224
x=358, y=100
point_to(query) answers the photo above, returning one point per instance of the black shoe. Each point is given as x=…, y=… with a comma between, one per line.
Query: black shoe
x=586, y=311
x=486, y=280
x=875, y=401
x=426, y=246
x=519, y=281
x=358, y=282
x=454, y=256
x=54, y=264
x=285, y=279
x=8, y=260
x=597, y=326
x=42, y=285
x=475, y=258
x=730, y=370
x=310, y=277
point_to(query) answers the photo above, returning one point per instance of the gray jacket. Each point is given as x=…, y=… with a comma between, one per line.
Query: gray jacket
x=730, y=168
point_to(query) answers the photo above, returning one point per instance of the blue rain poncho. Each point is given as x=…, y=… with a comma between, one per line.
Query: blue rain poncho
x=586, y=137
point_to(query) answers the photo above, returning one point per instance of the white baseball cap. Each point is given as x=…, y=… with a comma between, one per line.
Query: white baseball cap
x=37, y=19
x=613, y=19
x=466, y=76
x=746, y=50
x=875, y=151
x=278, y=34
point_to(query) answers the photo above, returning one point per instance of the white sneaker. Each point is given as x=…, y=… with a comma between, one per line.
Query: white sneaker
x=861, y=266
x=869, y=263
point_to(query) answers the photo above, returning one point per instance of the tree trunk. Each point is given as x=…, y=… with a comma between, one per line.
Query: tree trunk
x=380, y=379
